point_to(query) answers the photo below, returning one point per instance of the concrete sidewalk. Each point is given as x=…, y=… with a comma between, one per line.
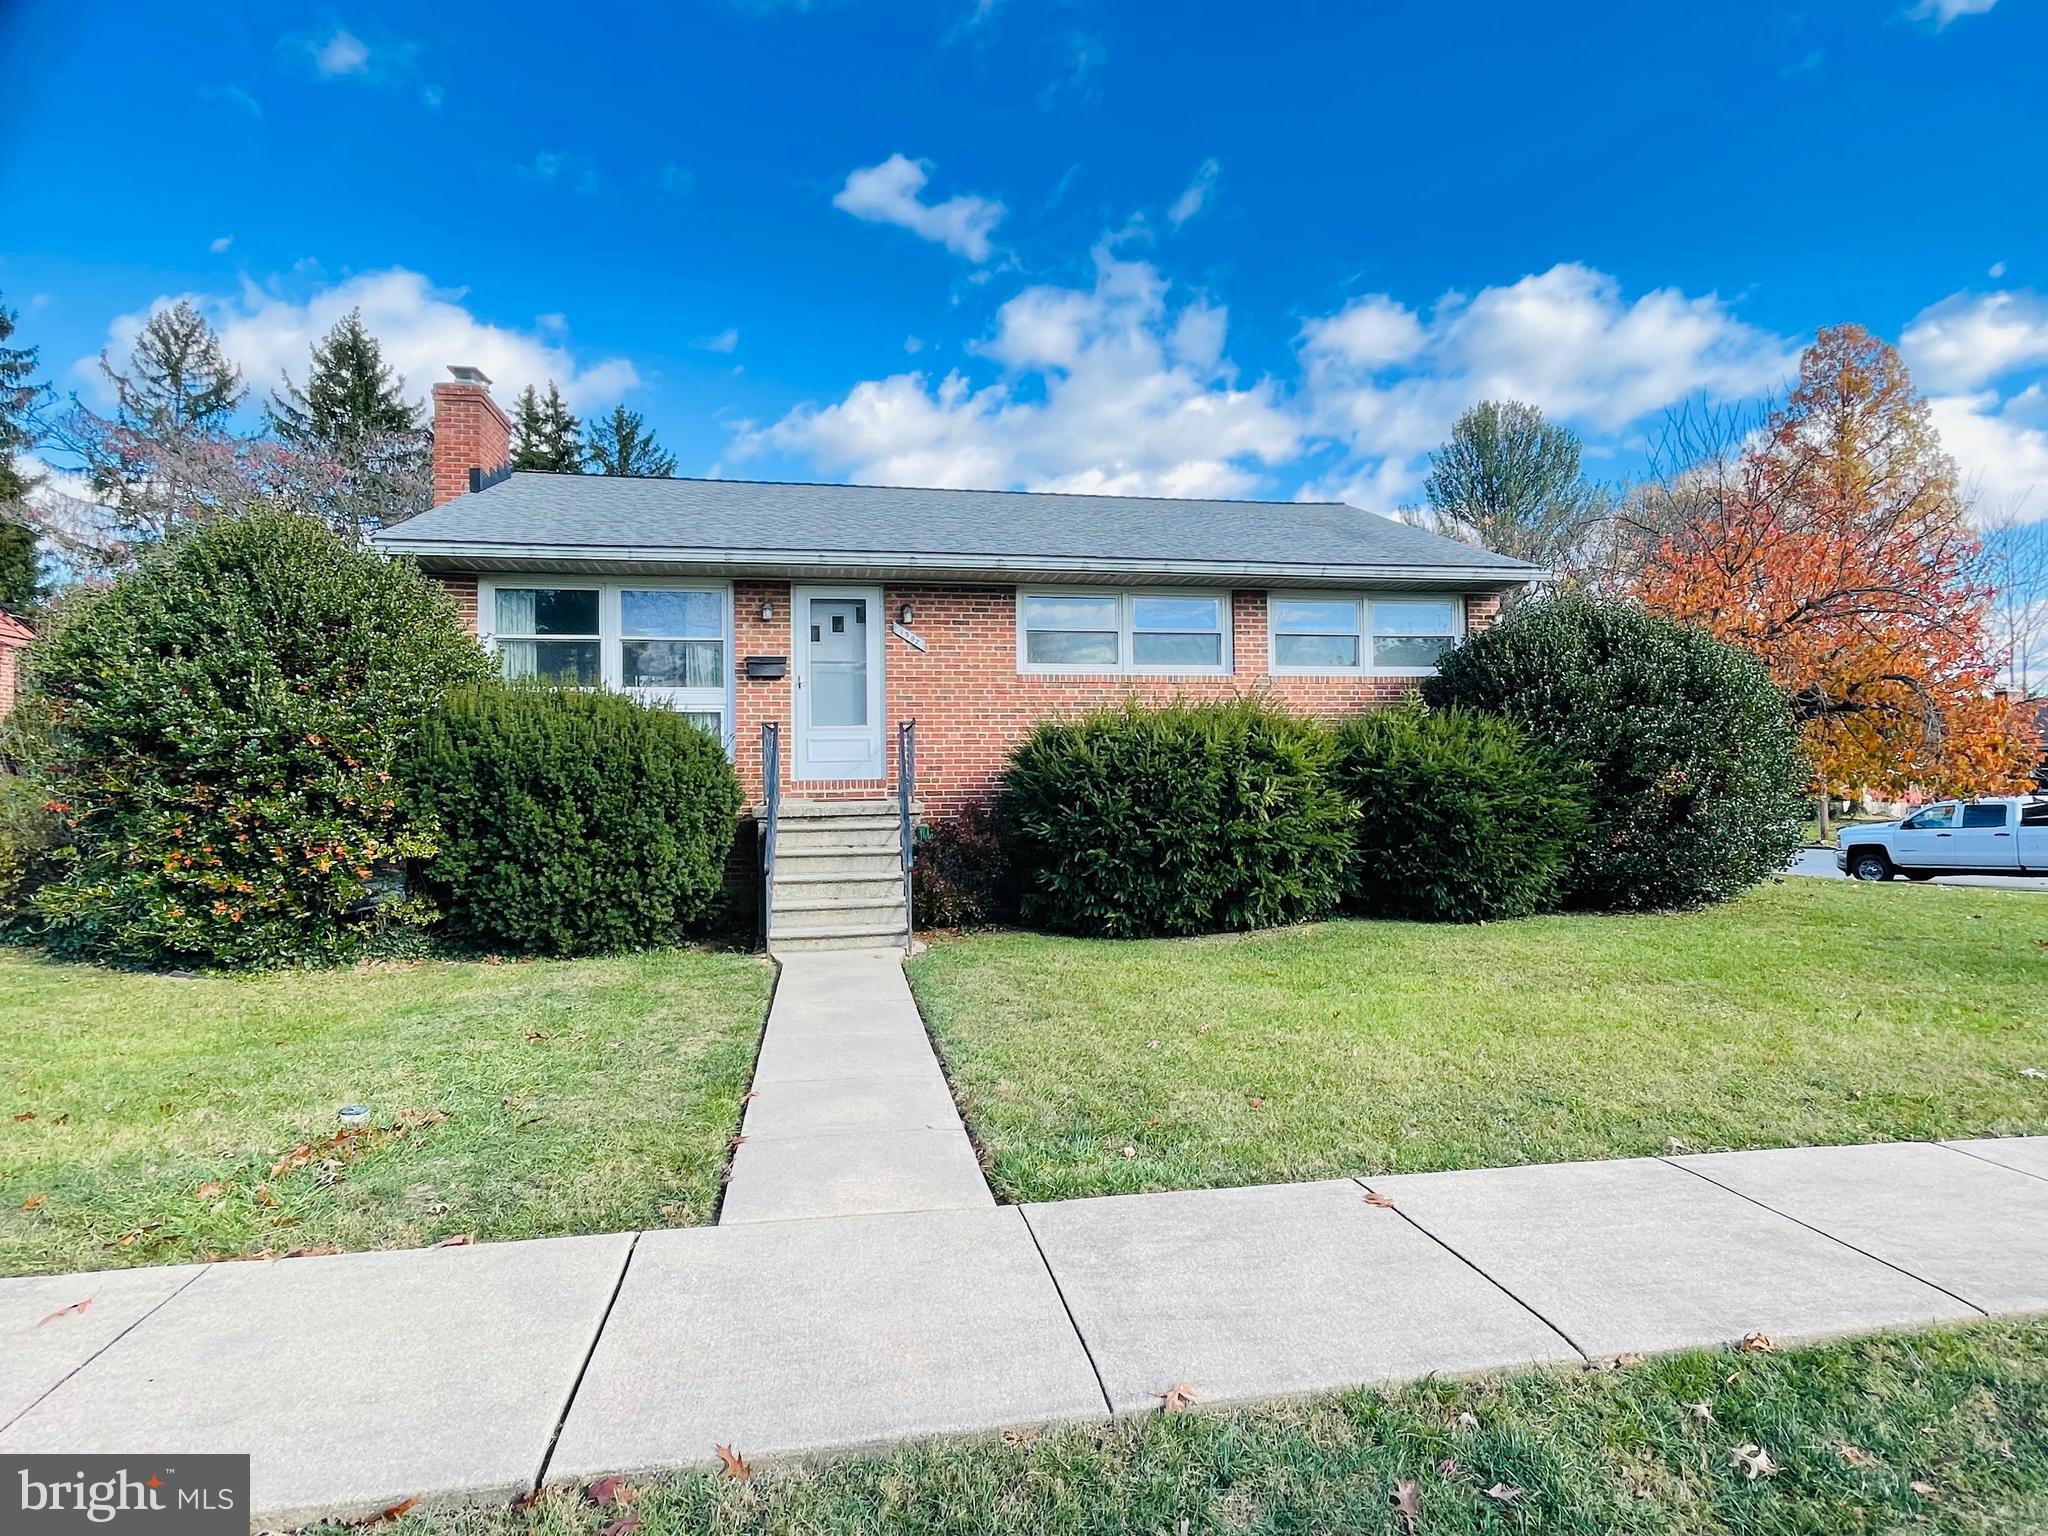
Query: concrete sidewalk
x=472, y=1373
x=849, y=1113
x=862, y=1286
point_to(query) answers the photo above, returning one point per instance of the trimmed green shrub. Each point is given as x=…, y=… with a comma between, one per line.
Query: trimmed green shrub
x=1175, y=820
x=960, y=874
x=221, y=730
x=571, y=823
x=1461, y=818
x=28, y=834
x=1695, y=766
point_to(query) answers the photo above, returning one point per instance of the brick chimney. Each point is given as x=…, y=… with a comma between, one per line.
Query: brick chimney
x=471, y=435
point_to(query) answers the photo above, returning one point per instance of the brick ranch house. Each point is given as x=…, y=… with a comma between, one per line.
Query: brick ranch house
x=838, y=612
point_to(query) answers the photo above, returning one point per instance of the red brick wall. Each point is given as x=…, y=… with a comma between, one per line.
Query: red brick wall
x=470, y=432
x=970, y=703
x=10, y=676
x=463, y=590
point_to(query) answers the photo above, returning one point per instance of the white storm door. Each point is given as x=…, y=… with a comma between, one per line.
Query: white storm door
x=837, y=642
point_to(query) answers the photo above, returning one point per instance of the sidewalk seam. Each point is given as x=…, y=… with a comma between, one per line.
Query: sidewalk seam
x=1992, y=1161
x=1576, y=1346
x=540, y=1475
x=1073, y=1322
x=117, y=1338
x=1899, y=1269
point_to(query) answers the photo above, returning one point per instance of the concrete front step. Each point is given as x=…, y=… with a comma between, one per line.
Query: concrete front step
x=835, y=810
x=831, y=838
x=836, y=936
x=802, y=863
x=857, y=888
x=803, y=913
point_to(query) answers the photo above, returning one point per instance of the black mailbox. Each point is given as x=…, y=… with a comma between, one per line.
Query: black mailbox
x=768, y=666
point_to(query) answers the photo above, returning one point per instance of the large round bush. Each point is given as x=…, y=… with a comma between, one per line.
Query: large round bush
x=1175, y=820
x=221, y=730
x=1695, y=766
x=1461, y=818
x=571, y=823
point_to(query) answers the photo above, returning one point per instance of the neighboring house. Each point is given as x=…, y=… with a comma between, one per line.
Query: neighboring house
x=14, y=639
x=837, y=612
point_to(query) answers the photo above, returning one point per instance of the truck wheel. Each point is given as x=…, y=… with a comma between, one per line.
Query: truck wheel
x=1870, y=865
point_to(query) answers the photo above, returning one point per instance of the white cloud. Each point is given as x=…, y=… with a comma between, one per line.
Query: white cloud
x=551, y=167
x=1197, y=193
x=2000, y=448
x=1942, y=12
x=220, y=243
x=1968, y=339
x=1388, y=382
x=1109, y=388
x=1997, y=270
x=727, y=340
x=343, y=53
x=422, y=330
x=913, y=345
x=888, y=194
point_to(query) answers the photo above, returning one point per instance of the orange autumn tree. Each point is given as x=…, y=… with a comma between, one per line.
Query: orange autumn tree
x=1834, y=543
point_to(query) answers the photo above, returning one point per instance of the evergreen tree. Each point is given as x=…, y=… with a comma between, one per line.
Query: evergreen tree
x=545, y=434
x=21, y=576
x=621, y=444
x=360, y=453
x=169, y=453
x=351, y=397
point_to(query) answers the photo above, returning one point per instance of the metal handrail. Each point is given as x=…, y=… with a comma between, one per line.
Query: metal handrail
x=906, y=787
x=771, y=786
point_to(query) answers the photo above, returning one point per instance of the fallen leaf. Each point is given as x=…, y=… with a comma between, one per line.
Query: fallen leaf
x=2024, y=1072
x=1855, y=1456
x=1256, y=1102
x=1130, y=1151
x=1383, y=1202
x=1447, y=1467
x=1925, y=1490
x=33, y=1201
x=750, y=1095
x=1758, y=1344
x=732, y=1464
x=1702, y=1410
x=61, y=1120
x=1151, y=1045
x=737, y=1142
x=1504, y=1493
x=1177, y=1398
x=1406, y=1497
x=24, y=1117
x=264, y=1196
x=606, y=1491
x=76, y=1306
x=392, y=1511
x=212, y=1189
x=459, y=1240
x=1023, y=1434
x=538, y=1036
x=1754, y=1460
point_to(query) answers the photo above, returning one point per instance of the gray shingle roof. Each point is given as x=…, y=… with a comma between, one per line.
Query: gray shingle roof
x=743, y=522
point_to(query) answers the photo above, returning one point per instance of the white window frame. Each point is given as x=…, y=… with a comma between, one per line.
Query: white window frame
x=1125, y=597
x=611, y=633
x=1362, y=609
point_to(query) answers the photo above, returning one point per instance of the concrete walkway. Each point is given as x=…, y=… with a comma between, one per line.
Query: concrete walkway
x=849, y=1114
x=459, y=1374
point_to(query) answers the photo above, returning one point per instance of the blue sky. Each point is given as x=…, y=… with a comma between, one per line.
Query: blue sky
x=1205, y=248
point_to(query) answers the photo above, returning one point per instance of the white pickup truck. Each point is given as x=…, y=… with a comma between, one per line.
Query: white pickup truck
x=1951, y=837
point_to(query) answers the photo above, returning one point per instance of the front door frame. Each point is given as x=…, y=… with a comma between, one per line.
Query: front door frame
x=874, y=763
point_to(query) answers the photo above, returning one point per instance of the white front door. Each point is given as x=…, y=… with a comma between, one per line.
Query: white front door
x=838, y=657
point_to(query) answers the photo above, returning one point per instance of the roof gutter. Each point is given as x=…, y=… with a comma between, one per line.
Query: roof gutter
x=770, y=561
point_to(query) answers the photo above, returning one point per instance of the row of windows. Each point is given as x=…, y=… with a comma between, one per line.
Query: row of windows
x=673, y=643
x=1311, y=635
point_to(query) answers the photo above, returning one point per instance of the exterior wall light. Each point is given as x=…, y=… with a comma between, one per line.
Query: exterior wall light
x=903, y=614
x=767, y=612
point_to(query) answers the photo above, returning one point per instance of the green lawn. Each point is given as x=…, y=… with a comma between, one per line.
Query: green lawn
x=1809, y=1011
x=1852, y=1429
x=148, y=1119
